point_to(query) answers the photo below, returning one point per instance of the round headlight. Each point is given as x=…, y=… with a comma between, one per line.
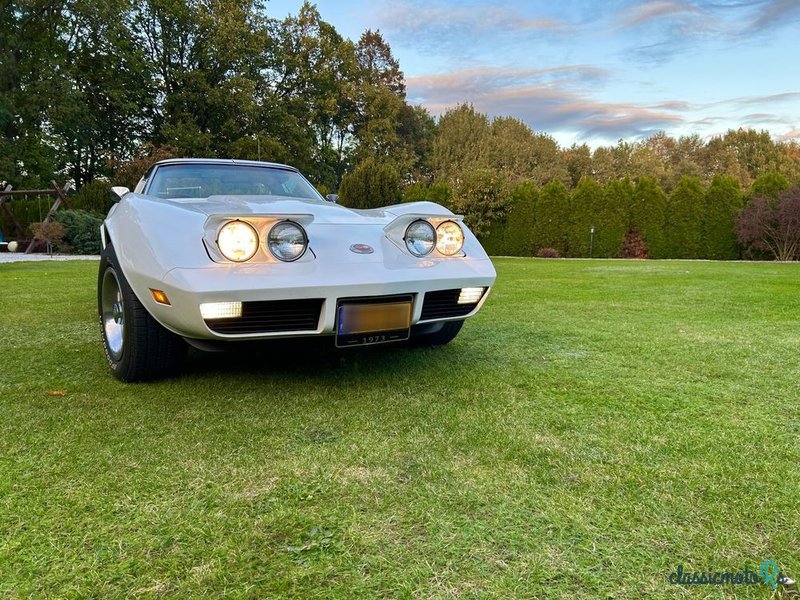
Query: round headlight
x=449, y=238
x=420, y=238
x=237, y=241
x=287, y=241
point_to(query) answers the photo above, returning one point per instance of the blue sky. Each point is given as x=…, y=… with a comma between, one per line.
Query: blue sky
x=594, y=72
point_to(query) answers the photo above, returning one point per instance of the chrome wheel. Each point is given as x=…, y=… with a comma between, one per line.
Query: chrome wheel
x=113, y=314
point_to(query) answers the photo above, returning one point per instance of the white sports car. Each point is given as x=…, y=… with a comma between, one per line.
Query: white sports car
x=213, y=252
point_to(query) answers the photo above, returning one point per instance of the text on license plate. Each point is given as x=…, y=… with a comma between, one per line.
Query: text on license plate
x=373, y=318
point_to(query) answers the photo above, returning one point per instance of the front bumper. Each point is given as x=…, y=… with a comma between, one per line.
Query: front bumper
x=188, y=288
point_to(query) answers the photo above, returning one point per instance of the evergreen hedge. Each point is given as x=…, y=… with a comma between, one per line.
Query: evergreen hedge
x=630, y=219
x=551, y=228
x=683, y=225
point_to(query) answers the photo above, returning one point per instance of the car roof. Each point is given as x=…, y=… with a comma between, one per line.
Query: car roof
x=222, y=161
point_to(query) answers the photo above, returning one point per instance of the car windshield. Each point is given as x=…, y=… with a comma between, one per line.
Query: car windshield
x=198, y=180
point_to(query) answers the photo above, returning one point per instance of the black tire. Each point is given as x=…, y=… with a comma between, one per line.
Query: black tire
x=136, y=346
x=438, y=337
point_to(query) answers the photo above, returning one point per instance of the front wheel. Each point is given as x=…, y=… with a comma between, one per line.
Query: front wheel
x=438, y=337
x=136, y=346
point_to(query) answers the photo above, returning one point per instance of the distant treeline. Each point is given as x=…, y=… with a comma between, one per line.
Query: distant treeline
x=660, y=197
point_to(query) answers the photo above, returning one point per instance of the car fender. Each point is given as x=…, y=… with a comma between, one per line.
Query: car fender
x=150, y=238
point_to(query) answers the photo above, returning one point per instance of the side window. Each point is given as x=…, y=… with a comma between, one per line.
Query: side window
x=139, y=189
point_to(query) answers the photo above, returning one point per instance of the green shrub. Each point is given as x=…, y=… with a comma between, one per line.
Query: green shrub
x=370, y=185
x=633, y=246
x=51, y=233
x=548, y=253
x=416, y=192
x=95, y=196
x=438, y=192
x=82, y=230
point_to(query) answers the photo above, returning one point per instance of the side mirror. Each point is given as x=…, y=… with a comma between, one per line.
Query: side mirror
x=332, y=198
x=120, y=190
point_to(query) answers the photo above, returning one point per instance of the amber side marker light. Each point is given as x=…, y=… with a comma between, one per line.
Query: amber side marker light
x=160, y=297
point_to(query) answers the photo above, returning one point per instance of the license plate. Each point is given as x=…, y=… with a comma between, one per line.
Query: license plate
x=360, y=323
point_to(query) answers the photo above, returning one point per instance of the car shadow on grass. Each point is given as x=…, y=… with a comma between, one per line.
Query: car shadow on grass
x=318, y=358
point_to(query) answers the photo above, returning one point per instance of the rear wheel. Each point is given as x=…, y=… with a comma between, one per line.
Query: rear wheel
x=438, y=337
x=136, y=346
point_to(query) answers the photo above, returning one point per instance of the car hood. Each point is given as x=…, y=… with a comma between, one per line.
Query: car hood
x=321, y=211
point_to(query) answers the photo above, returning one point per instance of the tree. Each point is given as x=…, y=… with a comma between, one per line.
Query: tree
x=763, y=225
x=721, y=159
x=207, y=61
x=683, y=224
x=579, y=162
x=371, y=184
x=310, y=103
x=482, y=196
x=461, y=137
x=755, y=151
x=509, y=148
x=128, y=172
x=585, y=203
x=722, y=204
x=644, y=162
x=379, y=67
x=415, y=132
x=379, y=95
x=518, y=234
x=633, y=246
x=549, y=164
x=28, y=48
x=769, y=185
x=593, y=207
x=105, y=97
x=436, y=192
x=603, y=169
x=551, y=226
x=611, y=220
x=647, y=215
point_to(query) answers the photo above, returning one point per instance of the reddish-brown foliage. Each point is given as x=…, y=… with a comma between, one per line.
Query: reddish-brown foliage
x=633, y=246
x=548, y=253
x=771, y=226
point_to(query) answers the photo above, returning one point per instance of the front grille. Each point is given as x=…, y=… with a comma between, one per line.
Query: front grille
x=271, y=316
x=443, y=304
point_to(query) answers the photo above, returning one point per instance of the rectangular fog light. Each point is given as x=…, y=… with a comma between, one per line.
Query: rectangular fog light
x=221, y=310
x=470, y=295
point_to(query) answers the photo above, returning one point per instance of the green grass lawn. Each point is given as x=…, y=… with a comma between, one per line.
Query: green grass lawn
x=598, y=424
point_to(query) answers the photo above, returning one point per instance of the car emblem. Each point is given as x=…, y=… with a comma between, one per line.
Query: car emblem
x=361, y=249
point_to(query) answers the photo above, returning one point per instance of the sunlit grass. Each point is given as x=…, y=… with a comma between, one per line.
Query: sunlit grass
x=599, y=423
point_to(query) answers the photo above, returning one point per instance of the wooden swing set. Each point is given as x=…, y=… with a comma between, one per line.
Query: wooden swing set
x=59, y=195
